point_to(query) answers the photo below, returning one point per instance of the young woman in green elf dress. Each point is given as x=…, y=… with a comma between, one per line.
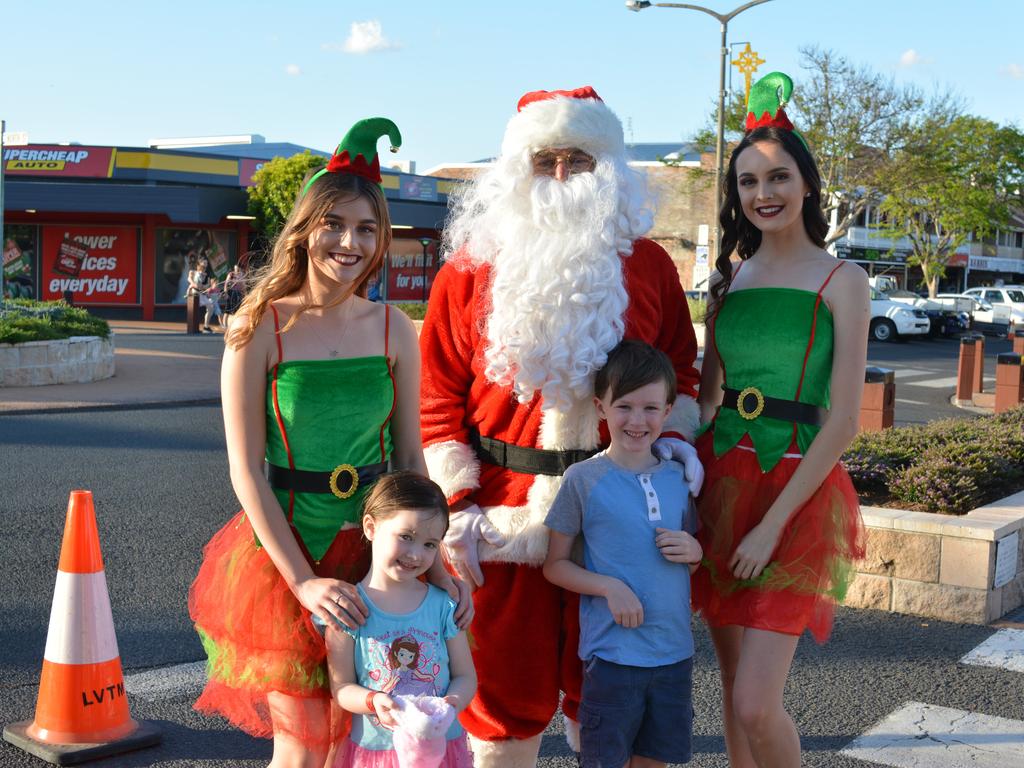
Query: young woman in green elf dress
x=320, y=392
x=781, y=386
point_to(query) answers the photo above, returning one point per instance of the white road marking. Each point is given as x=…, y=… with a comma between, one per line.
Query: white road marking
x=167, y=682
x=902, y=373
x=1004, y=649
x=948, y=382
x=926, y=736
x=909, y=402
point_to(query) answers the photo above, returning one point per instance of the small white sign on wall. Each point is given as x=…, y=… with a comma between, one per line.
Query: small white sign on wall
x=1006, y=559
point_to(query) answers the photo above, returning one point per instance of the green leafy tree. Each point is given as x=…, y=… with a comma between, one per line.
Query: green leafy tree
x=955, y=176
x=853, y=119
x=275, y=187
x=856, y=121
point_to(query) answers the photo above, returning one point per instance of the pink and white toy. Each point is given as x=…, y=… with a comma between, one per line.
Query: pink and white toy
x=423, y=723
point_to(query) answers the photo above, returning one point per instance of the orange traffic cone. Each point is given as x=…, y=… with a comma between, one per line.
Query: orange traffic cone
x=82, y=709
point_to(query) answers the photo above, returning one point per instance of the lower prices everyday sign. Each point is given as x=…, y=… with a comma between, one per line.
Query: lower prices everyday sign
x=99, y=264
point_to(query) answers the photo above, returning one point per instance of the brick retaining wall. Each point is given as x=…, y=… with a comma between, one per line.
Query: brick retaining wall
x=79, y=359
x=940, y=566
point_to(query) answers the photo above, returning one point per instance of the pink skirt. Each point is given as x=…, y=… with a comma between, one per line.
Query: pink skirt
x=457, y=755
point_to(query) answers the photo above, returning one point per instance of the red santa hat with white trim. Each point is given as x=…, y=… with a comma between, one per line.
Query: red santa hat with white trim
x=563, y=119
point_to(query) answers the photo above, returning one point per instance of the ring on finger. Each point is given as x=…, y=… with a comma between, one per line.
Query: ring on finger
x=337, y=600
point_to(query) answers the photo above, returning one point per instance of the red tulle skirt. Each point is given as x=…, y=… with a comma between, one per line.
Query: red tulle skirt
x=812, y=565
x=259, y=639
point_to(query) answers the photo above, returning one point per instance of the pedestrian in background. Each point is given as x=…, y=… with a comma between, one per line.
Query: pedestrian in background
x=322, y=386
x=234, y=285
x=781, y=386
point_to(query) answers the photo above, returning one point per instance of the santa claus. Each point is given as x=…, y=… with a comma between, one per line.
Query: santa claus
x=546, y=271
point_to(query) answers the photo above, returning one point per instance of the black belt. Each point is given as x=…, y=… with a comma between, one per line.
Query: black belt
x=530, y=461
x=752, y=404
x=342, y=482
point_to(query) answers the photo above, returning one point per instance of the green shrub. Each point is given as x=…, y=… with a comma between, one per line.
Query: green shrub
x=24, y=320
x=698, y=308
x=415, y=310
x=949, y=466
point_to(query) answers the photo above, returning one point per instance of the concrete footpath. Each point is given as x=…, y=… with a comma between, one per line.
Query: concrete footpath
x=154, y=364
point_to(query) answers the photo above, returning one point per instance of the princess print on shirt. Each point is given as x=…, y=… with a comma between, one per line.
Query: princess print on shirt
x=404, y=665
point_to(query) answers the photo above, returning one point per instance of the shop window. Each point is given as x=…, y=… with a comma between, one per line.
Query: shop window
x=21, y=244
x=178, y=251
x=409, y=270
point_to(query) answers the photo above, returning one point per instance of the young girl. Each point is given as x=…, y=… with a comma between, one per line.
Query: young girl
x=322, y=386
x=782, y=376
x=409, y=644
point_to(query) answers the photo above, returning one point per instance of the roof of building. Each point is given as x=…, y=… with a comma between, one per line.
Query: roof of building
x=262, y=151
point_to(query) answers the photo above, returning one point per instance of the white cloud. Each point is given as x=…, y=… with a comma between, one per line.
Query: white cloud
x=293, y=70
x=1016, y=71
x=364, y=37
x=910, y=57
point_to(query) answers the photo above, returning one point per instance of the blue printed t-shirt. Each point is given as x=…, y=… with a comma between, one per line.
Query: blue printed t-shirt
x=403, y=654
x=617, y=510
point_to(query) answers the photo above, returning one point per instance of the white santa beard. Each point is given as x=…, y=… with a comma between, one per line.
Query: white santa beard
x=557, y=295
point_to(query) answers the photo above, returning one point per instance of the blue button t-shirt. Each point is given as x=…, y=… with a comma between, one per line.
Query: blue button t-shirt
x=617, y=511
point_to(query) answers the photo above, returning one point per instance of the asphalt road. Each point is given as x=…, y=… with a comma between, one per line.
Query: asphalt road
x=926, y=375
x=159, y=478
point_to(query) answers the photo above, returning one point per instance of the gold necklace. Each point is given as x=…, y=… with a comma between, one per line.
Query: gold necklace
x=333, y=352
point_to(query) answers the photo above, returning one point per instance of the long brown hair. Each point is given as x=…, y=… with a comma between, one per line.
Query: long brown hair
x=738, y=234
x=285, y=273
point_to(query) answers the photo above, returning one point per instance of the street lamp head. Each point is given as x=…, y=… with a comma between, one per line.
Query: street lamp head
x=637, y=5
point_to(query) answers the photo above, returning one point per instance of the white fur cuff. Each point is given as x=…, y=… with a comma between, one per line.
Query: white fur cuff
x=453, y=466
x=684, y=418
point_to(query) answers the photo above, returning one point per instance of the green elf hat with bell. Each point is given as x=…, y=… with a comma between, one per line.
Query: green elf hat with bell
x=767, y=101
x=357, y=152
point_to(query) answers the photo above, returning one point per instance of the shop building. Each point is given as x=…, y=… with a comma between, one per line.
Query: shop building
x=118, y=226
x=996, y=259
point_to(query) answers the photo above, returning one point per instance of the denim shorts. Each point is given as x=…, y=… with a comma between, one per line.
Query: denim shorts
x=626, y=711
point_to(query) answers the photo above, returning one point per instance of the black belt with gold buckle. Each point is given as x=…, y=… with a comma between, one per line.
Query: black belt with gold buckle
x=342, y=482
x=530, y=461
x=751, y=404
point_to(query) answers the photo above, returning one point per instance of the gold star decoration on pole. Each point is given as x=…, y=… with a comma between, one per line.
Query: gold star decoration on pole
x=747, y=62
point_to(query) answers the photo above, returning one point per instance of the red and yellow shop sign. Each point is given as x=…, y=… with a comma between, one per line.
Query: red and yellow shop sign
x=98, y=264
x=57, y=160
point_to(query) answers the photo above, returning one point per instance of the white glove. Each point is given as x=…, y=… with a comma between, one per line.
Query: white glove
x=468, y=530
x=669, y=448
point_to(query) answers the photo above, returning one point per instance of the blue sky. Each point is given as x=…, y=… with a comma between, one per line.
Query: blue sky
x=450, y=72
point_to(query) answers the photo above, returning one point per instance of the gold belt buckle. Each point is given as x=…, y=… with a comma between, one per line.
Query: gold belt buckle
x=741, y=408
x=338, y=470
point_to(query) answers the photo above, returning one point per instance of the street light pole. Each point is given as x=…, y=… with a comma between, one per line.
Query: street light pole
x=723, y=19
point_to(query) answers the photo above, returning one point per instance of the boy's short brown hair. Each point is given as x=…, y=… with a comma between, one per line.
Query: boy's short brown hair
x=633, y=364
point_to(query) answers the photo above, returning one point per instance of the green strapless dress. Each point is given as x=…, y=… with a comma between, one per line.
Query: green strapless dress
x=779, y=340
x=257, y=636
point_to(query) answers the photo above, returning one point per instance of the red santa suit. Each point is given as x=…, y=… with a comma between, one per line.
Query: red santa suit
x=524, y=636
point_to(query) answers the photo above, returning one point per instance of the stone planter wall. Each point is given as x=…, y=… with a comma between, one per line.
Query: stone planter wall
x=940, y=566
x=79, y=359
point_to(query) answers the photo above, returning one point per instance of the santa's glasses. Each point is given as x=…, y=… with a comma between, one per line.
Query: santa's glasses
x=546, y=161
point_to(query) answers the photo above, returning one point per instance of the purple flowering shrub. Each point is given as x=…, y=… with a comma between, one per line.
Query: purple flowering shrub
x=949, y=466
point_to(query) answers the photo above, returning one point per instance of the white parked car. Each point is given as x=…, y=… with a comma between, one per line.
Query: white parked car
x=985, y=317
x=1011, y=296
x=891, y=320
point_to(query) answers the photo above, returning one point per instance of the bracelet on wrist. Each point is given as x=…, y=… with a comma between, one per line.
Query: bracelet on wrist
x=369, y=702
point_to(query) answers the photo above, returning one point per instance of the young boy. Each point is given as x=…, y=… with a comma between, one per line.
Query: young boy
x=633, y=513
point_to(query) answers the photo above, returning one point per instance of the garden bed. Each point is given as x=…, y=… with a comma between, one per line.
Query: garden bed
x=949, y=467
x=24, y=320
x=944, y=515
x=52, y=343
